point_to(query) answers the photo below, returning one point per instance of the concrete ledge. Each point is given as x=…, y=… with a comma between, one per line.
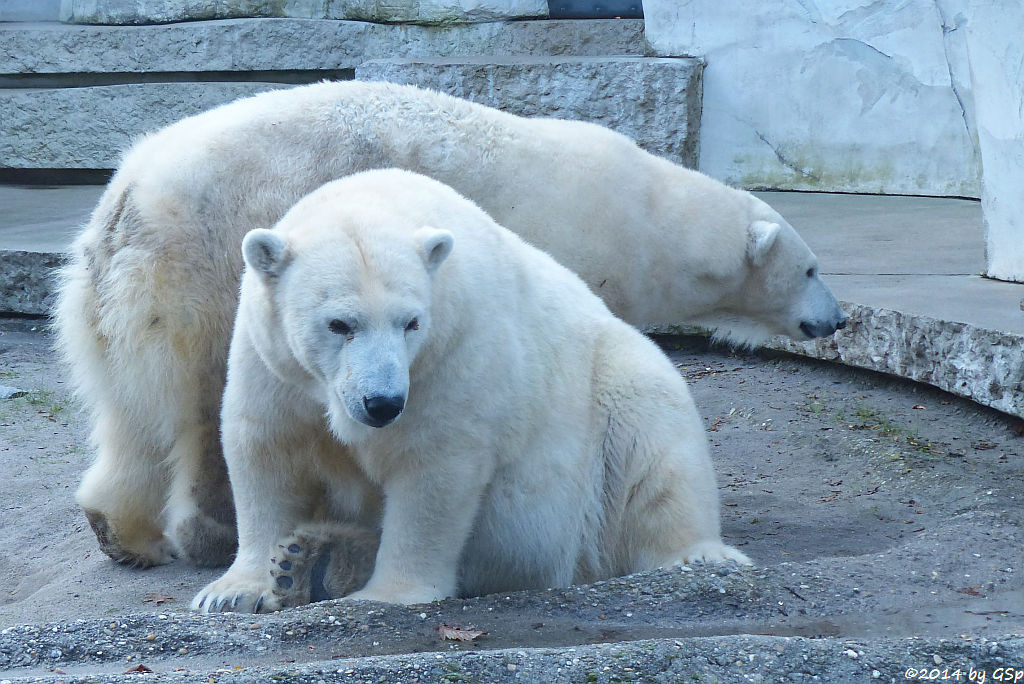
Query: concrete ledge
x=89, y=128
x=421, y=11
x=31, y=50
x=656, y=102
x=980, y=364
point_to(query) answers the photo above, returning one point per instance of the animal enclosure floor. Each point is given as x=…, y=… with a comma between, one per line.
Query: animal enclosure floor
x=872, y=507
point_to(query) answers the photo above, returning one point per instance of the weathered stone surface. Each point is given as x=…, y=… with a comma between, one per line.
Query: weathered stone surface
x=977, y=363
x=657, y=102
x=983, y=365
x=26, y=281
x=421, y=11
x=852, y=96
x=89, y=128
x=291, y=44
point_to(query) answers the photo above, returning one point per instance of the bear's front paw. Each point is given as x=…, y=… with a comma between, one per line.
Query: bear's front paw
x=402, y=595
x=237, y=594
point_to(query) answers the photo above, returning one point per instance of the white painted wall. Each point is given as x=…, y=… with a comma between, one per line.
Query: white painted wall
x=826, y=94
x=995, y=48
x=29, y=10
x=903, y=97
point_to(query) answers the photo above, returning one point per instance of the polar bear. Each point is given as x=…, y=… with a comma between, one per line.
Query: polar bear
x=402, y=362
x=145, y=307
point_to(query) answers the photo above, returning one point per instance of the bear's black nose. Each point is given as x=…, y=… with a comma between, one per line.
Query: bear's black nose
x=382, y=410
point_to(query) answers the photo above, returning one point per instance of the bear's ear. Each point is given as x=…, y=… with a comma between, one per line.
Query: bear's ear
x=760, y=238
x=265, y=251
x=434, y=246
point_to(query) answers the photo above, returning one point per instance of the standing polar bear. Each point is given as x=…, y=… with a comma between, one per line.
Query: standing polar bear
x=145, y=308
x=399, y=360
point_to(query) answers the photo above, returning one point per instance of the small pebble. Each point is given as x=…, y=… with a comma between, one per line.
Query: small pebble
x=8, y=392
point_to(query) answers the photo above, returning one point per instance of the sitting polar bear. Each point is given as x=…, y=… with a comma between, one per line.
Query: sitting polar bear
x=402, y=362
x=145, y=308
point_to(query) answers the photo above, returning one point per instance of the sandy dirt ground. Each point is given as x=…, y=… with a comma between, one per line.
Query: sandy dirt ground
x=872, y=508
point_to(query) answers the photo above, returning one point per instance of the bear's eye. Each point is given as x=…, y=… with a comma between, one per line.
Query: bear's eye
x=339, y=327
x=414, y=324
x=811, y=272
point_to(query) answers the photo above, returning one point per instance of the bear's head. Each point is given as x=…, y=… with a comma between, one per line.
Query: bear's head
x=349, y=297
x=780, y=291
x=784, y=283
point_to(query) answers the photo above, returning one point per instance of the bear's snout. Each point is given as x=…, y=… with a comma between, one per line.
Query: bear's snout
x=814, y=329
x=383, y=410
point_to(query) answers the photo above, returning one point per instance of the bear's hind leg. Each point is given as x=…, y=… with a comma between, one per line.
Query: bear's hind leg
x=122, y=493
x=200, y=508
x=665, y=506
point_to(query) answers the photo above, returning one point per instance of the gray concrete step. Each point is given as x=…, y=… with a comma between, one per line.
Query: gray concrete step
x=656, y=102
x=653, y=100
x=35, y=50
x=905, y=267
x=74, y=97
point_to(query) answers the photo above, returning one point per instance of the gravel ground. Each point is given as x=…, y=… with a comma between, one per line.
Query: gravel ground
x=883, y=517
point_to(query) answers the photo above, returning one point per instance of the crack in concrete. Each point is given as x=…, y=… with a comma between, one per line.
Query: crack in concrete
x=858, y=42
x=786, y=162
x=947, y=30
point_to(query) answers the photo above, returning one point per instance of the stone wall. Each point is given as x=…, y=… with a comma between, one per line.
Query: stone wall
x=656, y=102
x=74, y=97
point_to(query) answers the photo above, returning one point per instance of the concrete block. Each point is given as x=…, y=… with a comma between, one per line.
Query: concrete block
x=27, y=283
x=657, y=102
x=292, y=44
x=981, y=364
x=851, y=96
x=417, y=11
x=89, y=128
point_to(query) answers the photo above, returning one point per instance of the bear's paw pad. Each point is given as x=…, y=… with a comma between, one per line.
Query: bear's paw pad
x=300, y=570
x=321, y=562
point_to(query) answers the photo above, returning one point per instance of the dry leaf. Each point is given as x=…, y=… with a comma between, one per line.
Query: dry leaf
x=156, y=598
x=453, y=633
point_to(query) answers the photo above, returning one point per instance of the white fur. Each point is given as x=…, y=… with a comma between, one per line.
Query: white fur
x=146, y=306
x=544, y=441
